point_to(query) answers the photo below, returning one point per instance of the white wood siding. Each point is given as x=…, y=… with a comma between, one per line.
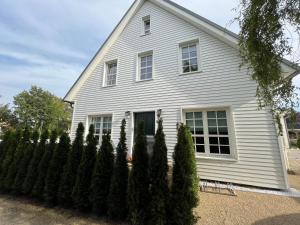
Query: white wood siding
x=221, y=82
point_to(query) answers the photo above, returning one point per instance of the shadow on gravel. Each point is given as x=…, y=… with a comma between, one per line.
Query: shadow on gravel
x=289, y=219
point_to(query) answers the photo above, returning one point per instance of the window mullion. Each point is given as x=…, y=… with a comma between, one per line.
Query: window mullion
x=205, y=131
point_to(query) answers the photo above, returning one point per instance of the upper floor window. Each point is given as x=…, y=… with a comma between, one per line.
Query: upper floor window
x=111, y=73
x=189, y=57
x=145, y=66
x=146, y=25
x=210, y=131
x=102, y=126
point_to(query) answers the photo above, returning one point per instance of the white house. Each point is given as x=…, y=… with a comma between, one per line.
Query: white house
x=163, y=58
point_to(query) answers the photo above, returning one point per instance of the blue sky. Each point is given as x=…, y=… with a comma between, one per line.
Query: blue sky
x=48, y=43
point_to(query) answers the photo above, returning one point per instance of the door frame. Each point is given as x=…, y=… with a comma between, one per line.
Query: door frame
x=132, y=123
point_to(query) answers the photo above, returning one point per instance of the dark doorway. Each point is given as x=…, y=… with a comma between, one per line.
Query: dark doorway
x=149, y=125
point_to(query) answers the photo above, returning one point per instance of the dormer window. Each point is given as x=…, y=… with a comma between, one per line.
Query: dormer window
x=146, y=25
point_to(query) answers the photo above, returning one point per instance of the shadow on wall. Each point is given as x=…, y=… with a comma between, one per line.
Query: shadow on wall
x=290, y=219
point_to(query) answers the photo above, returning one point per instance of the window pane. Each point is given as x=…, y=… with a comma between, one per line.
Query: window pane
x=186, y=69
x=223, y=131
x=200, y=148
x=225, y=149
x=189, y=115
x=212, y=122
x=198, y=115
x=222, y=122
x=192, y=130
x=224, y=141
x=199, y=140
x=185, y=49
x=221, y=114
x=190, y=123
x=198, y=123
x=185, y=55
x=212, y=130
x=194, y=61
x=143, y=64
x=143, y=71
x=185, y=62
x=193, y=54
x=214, y=149
x=194, y=68
x=211, y=114
x=213, y=140
x=192, y=48
x=149, y=70
x=199, y=130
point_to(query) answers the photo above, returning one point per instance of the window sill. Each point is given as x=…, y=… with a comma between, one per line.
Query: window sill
x=137, y=81
x=183, y=74
x=142, y=35
x=108, y=86
x=229, y=159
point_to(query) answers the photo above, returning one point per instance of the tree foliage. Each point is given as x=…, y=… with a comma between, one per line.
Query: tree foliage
x=13, y=167
x=14, y=140
x=7, y=118
x=117, y=200
x=55, y=169
x=40, y=109
x=102, y=176
x=34, y=162
x=138, y=192
x=159, y=191
x=24, y=164
x=263, y=44
x=38, y=188
x=81, y=191
x=70, y=169
x=184, y=191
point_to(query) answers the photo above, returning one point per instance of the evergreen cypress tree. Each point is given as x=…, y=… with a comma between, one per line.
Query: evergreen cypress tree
x=70, y=169
x=55, y=169
x=117, y=200
x=13, y=168
x=34, y=162
x=102, y=176
x=81, y=190
x=23, y=166
x=159, y=191
x=13, y=143
x=38, y=189
x=4, y=146
x=184, y=192
x=138, y=192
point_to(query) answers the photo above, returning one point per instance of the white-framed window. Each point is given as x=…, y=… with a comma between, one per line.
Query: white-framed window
x=189, y=57
x=102, y=124
x=145, y=66
x=110, y=76
x=210, y=130
x=146, y=25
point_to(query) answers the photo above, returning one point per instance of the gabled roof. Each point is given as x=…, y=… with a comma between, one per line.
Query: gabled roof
x=202, y=23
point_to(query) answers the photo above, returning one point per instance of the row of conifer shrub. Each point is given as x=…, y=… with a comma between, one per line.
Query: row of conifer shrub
x=79, y=176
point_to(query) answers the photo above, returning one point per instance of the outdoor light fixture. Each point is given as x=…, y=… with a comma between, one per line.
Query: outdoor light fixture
x=158, y=113
x=127, y=114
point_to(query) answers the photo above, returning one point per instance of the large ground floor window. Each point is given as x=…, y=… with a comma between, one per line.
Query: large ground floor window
x=102, y=125
x=210, y=131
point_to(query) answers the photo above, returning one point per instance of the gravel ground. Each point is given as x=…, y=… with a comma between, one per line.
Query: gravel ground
x=214, y=209
x=294, y=161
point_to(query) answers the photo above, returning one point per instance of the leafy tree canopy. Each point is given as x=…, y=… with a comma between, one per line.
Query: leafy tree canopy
x=263, y=43
x=39, y=109
x=7, y=118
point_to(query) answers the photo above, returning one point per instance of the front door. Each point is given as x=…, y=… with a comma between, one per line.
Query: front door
x=149, y=127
